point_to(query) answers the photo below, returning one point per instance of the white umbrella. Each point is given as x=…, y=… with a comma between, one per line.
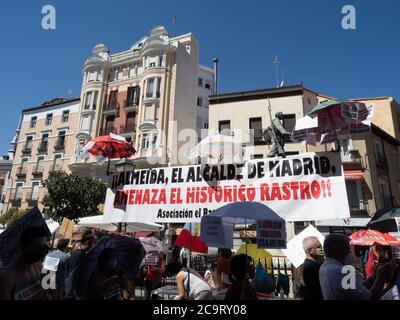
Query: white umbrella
x=98, y=222
x=218, y=149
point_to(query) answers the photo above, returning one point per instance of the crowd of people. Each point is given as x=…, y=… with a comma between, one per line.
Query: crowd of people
x=324, y=275
x=328, y=273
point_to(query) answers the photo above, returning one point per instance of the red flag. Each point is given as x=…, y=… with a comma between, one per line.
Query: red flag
x=189, y=238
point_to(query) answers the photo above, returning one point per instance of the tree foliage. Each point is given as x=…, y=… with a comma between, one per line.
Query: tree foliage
x=72, y=196
x=8, y=218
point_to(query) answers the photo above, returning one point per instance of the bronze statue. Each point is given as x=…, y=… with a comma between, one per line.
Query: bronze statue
x=275, y=134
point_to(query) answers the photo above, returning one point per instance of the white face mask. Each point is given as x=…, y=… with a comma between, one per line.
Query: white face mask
x=350, y=259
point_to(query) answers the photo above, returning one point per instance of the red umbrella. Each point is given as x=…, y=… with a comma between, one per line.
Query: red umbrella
x=370, y=237
x=110, y=147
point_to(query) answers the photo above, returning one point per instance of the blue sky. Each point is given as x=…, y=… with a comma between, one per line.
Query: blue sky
x=38, y=65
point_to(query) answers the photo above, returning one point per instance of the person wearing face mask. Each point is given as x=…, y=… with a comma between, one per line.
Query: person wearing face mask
x=21, y=280
x=335, y=279
x=314, y=258
x=107, y=282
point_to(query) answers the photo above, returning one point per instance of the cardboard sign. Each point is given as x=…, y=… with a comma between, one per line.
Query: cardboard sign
x=296, y=187
x=66, y=229
x=9, y=239
x=212, y=231
x=227, y=241
x=295, y=251
x=271, y=234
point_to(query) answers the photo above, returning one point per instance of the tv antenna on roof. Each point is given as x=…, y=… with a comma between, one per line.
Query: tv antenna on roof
x=276, y=63
x=174, y=25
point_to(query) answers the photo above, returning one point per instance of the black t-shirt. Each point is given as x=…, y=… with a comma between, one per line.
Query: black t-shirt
x=312, y=289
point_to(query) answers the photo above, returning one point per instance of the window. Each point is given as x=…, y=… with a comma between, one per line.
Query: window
x=150, y=88
x=65, y=116
x=353, y=195
x=158, y=92
x=130, y=122
x=28, y=143
x=379, y=154
x=90, y=100
x=85, y=122
x=199, y=102
x=133, y=96
x=395, y=158
x=61, y=138
x=255, y=126
x=145, y=141
x=207, y=85
x=225, y=127
x=289, y=122
x=49, y=119
x=109, y=125
x=39, y=164
x=24, y=161
x=200, y=82
x=35, y=190
x=33, y=122
x=154, y=140
x=44, y=141
x=160, y=61
x=385, y=192
x=57, y=162
x=205, y=125
x=112, y=99
x=18, y=190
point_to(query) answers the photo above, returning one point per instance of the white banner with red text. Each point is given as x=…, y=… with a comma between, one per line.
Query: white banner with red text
x=304, y=187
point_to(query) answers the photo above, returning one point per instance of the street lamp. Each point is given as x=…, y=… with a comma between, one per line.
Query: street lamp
x=124, y=165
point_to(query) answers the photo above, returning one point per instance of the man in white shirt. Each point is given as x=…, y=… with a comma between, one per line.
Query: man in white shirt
x=335, y=273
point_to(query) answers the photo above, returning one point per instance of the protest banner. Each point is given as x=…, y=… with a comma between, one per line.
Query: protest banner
x=271, y=234
x=9, y=239
x=295, y=187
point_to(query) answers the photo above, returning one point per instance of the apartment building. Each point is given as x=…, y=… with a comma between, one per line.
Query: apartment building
x=370, y=160
x=45, y=143
x=205, y=83
x=139, y=93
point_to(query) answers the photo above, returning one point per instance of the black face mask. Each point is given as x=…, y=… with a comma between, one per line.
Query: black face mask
x=38, y=254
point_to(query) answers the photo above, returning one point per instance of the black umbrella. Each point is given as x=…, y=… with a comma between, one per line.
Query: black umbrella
x=385, y=220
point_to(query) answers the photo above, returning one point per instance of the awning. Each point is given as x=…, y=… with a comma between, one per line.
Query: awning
x=353, y=175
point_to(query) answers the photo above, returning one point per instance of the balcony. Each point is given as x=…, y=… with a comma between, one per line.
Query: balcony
x=43, y=146
x=56, y=167
x=21, y=173
x=32, y=200
x=150, y=99
x=131, y=106
x=60, y=145
x=38, y=172
x=352, y=160
x=26, y=150
x=111, y=108
x=127, y=129
x=107, y=130
x=16, y=199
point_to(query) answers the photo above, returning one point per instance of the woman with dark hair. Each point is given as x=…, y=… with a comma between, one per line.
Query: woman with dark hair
x=242, y=270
